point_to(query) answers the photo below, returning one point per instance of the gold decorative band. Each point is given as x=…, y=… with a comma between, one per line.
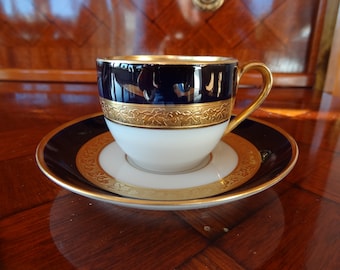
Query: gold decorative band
x=168, y=116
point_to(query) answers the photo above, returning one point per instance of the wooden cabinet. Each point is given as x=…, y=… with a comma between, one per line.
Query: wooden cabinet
x=60, y=40
x=332, y=81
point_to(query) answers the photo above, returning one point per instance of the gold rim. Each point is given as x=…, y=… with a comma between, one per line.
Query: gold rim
x=97, y=194
x=168, y=60
x=167, y=116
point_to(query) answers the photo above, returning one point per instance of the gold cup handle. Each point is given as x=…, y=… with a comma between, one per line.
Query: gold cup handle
x=267, y=79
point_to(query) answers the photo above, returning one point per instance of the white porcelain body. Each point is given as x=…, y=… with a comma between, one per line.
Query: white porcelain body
x=167, y=150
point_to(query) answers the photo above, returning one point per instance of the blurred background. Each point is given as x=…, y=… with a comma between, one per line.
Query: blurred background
x=60, y=39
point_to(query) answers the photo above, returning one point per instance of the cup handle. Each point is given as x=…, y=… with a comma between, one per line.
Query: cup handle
x=267, y=79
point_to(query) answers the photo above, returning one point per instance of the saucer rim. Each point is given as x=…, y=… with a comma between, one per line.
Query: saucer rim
x=96, y=193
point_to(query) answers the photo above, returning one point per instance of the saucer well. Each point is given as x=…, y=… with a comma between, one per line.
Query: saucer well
x=57, y=155
x=233, y=162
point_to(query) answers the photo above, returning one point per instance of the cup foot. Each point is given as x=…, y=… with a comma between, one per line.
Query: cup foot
x=178, y=170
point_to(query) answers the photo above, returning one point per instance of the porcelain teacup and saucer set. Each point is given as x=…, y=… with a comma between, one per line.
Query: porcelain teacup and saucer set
x=166, y=138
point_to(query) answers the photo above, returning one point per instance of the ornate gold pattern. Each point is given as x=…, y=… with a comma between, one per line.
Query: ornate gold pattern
x=209, y=5
x=169, y=115
x=88, y=165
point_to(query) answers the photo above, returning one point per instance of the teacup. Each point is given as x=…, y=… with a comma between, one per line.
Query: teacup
x=167, y=113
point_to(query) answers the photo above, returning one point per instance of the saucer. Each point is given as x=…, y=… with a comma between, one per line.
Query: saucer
x=59, y=150
x=233, y=162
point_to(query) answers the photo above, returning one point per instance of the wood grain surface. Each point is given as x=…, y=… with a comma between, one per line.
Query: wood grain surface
x=293, y=225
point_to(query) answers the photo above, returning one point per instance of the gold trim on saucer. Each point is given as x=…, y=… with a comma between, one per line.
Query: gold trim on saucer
x=88, y=165
x=88, y=190
x=169, y=115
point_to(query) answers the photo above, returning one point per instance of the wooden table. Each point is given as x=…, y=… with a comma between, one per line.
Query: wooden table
x=293, y=225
